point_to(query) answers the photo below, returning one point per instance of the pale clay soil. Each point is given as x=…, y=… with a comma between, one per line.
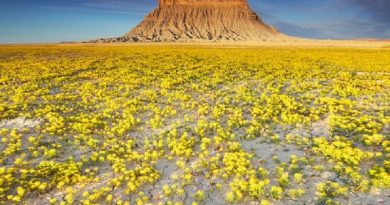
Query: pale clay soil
x=264, y=151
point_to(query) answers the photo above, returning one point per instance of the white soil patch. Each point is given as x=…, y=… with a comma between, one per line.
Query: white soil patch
x=20, y=123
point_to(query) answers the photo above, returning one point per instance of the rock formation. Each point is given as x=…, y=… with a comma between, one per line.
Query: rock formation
x=201, y=20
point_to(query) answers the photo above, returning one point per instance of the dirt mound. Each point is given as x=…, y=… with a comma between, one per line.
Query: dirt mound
x=201, y=20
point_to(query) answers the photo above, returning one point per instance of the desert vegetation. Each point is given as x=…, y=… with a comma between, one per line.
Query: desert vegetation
x=193, y=125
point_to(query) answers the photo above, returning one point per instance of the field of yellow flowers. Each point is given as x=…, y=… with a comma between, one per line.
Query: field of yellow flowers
x=194, y=125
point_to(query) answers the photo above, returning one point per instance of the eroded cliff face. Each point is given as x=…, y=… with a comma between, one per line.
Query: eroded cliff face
x=206, y=3
x=202, y=20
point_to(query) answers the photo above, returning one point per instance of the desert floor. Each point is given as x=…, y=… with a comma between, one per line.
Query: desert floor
x=303, y=122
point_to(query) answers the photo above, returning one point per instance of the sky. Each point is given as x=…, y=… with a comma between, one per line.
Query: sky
x=33, y=21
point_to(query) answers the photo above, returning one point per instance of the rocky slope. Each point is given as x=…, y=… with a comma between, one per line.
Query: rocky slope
x=201, y=20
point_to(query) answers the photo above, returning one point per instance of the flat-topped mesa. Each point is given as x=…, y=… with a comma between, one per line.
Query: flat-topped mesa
x=204, y=3
x=202, y=20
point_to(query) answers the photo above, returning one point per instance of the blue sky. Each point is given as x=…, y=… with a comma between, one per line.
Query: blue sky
x=24, y=21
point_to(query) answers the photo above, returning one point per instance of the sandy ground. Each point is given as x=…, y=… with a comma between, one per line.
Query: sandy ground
x=293, y=42
x=19, y=123
x=264, y=150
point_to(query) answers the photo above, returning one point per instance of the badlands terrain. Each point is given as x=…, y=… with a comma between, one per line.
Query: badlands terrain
x=197, y=21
